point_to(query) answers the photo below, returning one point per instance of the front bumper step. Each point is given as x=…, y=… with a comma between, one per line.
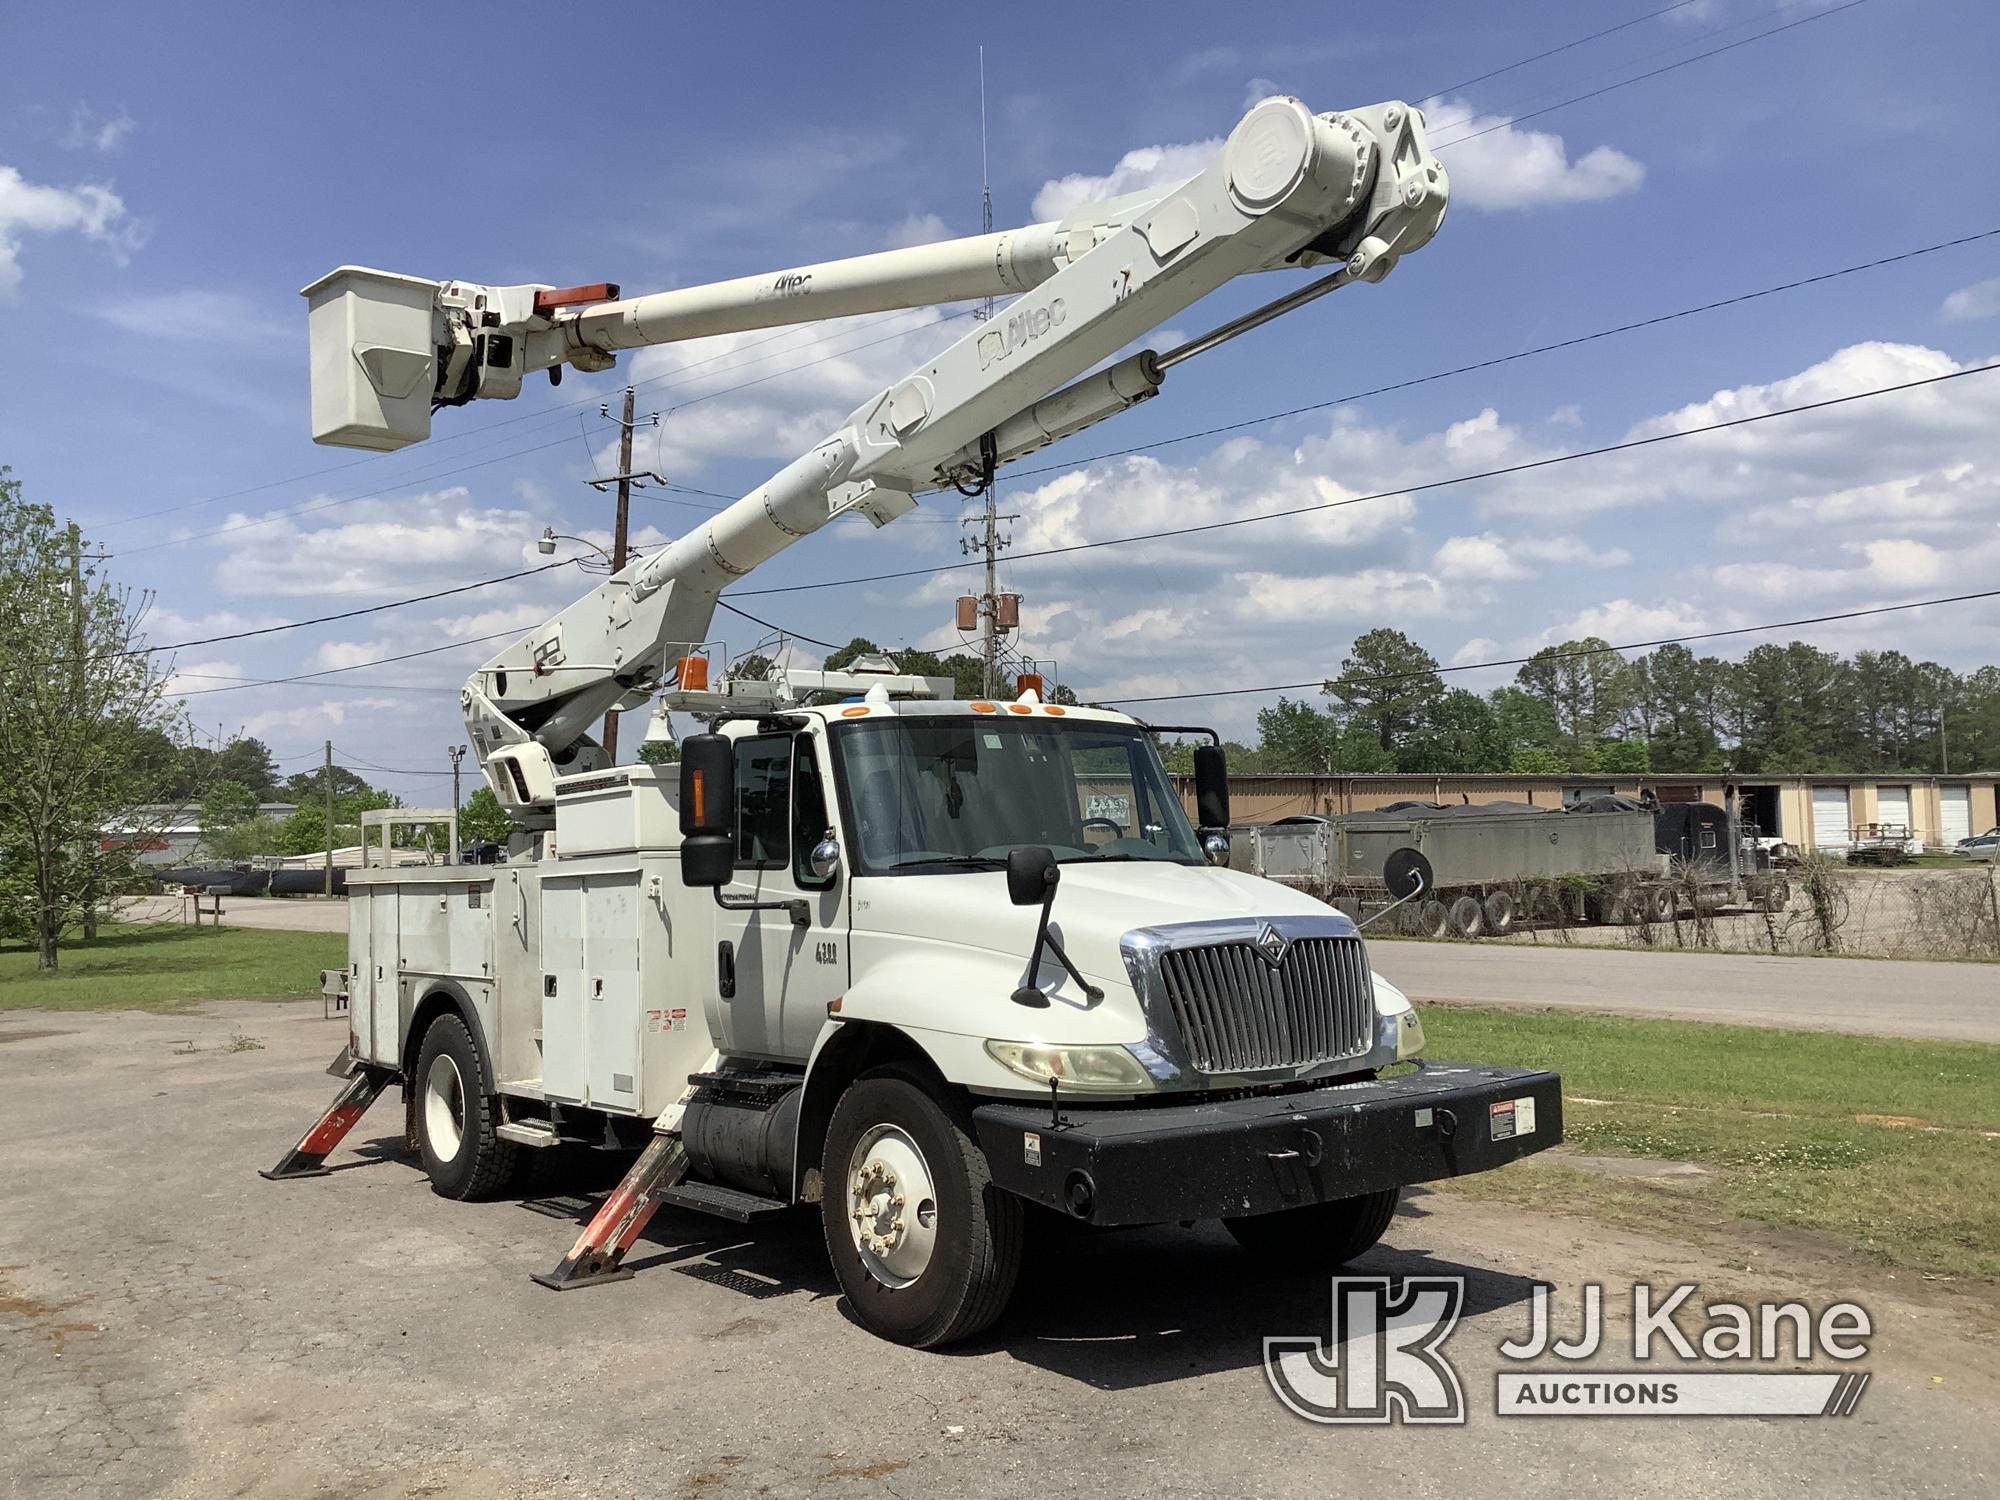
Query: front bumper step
x=1233, y=1158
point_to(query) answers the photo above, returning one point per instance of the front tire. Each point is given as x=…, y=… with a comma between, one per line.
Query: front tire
x=926, y=1248
x=1319, y=1236
x=457, y=1116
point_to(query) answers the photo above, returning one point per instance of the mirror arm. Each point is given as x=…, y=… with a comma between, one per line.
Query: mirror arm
x=1030, y=993
x=801, y=913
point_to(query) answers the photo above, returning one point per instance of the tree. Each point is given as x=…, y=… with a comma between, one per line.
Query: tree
x=1297, y=739
x=249, y=762
x=1588, y=687
x=1388, y=685
x=78, y=697
x=1680, y=692
x=227, y=804
x=483, y=818
x=1459, y=734
x=653, y=753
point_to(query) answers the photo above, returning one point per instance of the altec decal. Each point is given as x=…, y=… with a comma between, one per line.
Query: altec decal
x=1020, y=328
x=792, y=284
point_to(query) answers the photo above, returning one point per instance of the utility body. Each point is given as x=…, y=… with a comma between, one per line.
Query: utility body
x=934, y=967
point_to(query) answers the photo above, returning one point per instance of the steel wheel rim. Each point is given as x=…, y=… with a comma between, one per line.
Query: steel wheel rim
x=444, y=1108
x=892, y=1206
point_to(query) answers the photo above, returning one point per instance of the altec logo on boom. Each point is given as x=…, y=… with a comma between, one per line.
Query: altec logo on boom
x=1385, y=1360
x=1020, y=328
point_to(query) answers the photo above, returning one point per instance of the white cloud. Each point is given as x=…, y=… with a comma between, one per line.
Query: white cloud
x=90, y=131
x=756, y=395
x=89, y=209
x=1143, y=167
x=917, y=229
x=198, y=315
x=404, y=544
x=1495, y=165
x=1483, y=556
x=1972, y=303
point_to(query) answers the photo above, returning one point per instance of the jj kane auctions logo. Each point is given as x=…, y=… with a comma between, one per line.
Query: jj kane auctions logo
x=1384, y=1360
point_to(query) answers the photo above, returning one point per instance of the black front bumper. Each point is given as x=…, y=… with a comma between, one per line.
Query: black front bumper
x=1152, y=1164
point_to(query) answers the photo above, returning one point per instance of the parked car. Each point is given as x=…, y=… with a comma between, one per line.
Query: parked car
x=1981, y=846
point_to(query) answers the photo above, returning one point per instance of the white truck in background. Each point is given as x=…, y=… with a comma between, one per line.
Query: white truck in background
x=924, y=964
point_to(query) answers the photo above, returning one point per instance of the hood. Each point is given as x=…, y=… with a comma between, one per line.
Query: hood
x=1095, y=906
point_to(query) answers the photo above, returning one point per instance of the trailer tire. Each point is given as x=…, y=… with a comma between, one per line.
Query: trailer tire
x=1319, y=1236
x=1776, y=895
x=1501, y=911
x=1433, y=919
x=891, y=1130
x=1468, y=919
x=457, y=1115
x=1660, y=904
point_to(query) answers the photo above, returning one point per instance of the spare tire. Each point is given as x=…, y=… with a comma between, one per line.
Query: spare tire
x=1468, y=918
x=1500, y=910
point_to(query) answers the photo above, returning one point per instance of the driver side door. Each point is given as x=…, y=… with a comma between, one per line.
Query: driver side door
x=774, y=977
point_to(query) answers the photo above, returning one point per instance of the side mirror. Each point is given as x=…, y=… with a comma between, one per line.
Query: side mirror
x=708, y=811
x=1215, y=847
x=1031, y=876
x=1211, y=786
x=824, y=861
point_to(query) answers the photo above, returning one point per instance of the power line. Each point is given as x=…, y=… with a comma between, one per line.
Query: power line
x=315, y=678
x=1412, y=489
x=350, y=614
x=1535, y=114
x=797, y=635
x=1518, y=661
x=1452, y=88
x=1521, y=354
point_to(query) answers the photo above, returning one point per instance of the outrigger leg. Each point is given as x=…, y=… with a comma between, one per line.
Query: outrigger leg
x=598, y=1251
x=364, y=1087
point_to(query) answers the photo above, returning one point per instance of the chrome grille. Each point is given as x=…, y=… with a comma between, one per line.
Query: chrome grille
x=1238, y=1012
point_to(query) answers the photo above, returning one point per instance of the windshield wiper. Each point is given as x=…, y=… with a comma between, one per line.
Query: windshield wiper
x=962, y=861
x=1121, y=858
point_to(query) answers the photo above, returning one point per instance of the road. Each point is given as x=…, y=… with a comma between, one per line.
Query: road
x=172, y=1325
x=1872, y=997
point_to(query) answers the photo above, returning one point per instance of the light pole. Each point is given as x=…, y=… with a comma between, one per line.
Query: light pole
x=457, y=754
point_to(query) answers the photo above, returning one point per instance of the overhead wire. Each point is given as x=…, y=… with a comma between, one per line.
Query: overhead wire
x=1501, y=471
x=1577, y=653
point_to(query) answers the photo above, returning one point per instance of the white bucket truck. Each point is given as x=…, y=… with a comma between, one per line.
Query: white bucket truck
x=924, y=964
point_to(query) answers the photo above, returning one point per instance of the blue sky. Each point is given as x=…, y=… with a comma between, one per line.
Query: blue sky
x=171, y=176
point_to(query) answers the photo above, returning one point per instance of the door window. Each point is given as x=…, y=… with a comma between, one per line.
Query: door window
x=763, y=802
x=810, y=823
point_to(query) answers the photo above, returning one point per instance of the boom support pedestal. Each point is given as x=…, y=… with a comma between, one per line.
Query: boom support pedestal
x=599, y=1250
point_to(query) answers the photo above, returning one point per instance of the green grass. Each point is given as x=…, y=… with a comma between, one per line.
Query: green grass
x=142, y=967
x=1886, y=1146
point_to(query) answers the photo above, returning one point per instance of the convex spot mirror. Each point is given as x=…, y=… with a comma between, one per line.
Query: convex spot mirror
x=708, y=810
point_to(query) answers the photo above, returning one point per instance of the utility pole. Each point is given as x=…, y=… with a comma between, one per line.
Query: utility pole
x=326, y=780
x=989, y=541
x=76, y=687
x=618, y=534
x=457, y=754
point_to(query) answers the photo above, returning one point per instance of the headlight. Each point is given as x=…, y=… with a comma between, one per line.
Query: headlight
x=1409, y=1035
x=1085, y=1069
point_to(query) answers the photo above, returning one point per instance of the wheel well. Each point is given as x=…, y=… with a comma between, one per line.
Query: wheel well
x=852, y=1051
x=442, y=1002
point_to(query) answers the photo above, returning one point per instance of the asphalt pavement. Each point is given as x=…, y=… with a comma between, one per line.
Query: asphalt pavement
x=171, y=1324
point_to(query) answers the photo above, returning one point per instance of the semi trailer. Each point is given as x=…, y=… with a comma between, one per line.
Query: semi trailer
x=867, y=948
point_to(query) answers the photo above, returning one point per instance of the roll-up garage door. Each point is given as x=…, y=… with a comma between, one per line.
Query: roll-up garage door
x=1954, y=813
x=1892, y=805
x=1830, y=817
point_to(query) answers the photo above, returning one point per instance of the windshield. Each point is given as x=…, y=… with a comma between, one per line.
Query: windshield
x=923, y=795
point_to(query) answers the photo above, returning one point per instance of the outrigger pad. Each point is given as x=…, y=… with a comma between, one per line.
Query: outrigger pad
x=308, y=1157
x=596, y=1256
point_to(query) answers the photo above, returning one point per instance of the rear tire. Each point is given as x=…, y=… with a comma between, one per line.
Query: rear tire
x=1777, y=895
x=457, y=1115
x=1319, y=1236
x=926, y=1248
x=1433, y=919
x=1468, y=919
x=1501, y=911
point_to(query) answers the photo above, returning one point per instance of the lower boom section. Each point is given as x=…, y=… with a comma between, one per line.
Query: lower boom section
x=1232, y=1158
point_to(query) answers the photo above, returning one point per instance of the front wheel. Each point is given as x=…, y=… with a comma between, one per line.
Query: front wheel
x=925, y=1246
x=1319, y=1236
